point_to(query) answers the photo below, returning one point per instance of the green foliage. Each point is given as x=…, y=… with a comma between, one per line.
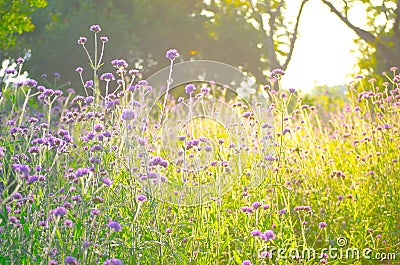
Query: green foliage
x=329, y=99
x=14, y=19
x=149, y=28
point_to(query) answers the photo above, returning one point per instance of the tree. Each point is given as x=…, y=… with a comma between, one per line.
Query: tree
x=14, y=19
x=379, y=39
x=255, y=35
x=278, y=31
x=136, y=29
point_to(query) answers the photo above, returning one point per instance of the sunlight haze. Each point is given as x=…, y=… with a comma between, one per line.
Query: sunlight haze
x=323, y=52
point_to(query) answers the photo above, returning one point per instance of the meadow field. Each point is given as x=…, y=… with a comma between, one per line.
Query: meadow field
x=110, y=171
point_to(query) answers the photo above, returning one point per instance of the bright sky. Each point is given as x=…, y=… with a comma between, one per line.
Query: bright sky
x=322, y=54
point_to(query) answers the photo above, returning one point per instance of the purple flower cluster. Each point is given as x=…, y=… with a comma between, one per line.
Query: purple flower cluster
x=82, y=40
x=107, y=77
x=128, y=114
x=268, y=235
x=322, y=225
x=302, y=208
x=95, y=28
x=119, y=63
x=30, y=82
x=141, y=198
x=22, y=169
x=157, y=160
x=172, y=54
x=113, y=261
x=276, y=73
x=80, y=172
x=115, y=226
x=69, y=260
x=189, y=89
x=107, y=181
x=60, y=211
x=59, y=144
x=89, y=84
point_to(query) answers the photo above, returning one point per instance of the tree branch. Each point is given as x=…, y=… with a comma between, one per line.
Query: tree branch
x=396, y=29
x=269, y=41
x=363, y=34
x=294, y=37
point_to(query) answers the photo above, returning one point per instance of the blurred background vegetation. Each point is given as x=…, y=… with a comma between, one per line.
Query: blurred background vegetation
x=254, y=35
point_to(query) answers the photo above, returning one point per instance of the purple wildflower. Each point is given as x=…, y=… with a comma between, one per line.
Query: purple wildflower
x=114, y=225
x=107, y=77
x=104, y=39
x=141, y=198
x=155, y=161
x=246, y=209
x=256, y=233
x=60, y=211
x=82, y=171
x=76, y=198
x=246, y=262
x=107, y=181
x=96, y=147
x=10, y=71
x=113, y=261
x=189, y=89
x=268, y=235
x=172, y=54
x=276, y=73
x=89, y=84
x=68, y=223
x=265, y=254
x=71, y=260
x=256, y=205
x=107, y=134
x=98, y=127
x=30, y=82
x=134, y=72
x=95, y=212
x=283, y=211
x=33, y=178
x=302, y=208
x=20, y=60
x=22, y=169
x=17, y=196
x=89, y=99
x=119, y=63
x=79, y=69
x=71, y=90
x=13, y=219
x=95, y=28
x=322, y=225
x=128, y=114
x=82, y=40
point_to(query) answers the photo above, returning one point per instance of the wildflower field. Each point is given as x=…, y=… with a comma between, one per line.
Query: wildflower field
x=120, y=173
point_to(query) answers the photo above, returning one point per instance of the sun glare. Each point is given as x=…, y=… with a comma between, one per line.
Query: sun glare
x=323, y=53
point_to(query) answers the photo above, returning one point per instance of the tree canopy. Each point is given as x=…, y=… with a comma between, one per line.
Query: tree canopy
x=15, y=19
x=256, y=36
x=379, y=39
